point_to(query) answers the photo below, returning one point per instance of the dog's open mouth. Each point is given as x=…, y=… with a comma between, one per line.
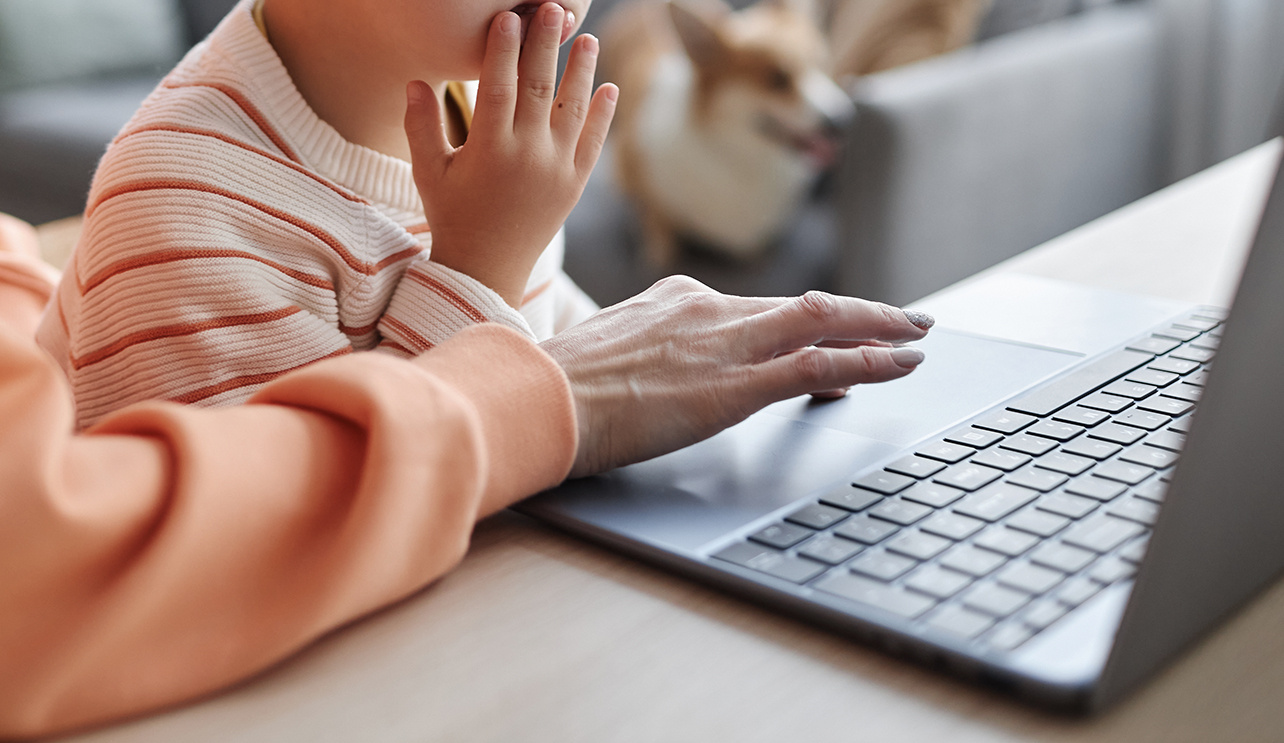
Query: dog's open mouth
x=527, y=10
x=820, y=146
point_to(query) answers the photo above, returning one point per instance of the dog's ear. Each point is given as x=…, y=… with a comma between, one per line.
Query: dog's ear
x=813, y=10
x=696, y=24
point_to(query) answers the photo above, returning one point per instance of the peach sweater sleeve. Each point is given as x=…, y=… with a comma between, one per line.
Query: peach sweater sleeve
x=170, y=551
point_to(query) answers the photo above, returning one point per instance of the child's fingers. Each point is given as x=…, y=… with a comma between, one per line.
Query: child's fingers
x=576, y=91
x=596, y=125
x=497, y=86
x=425, y=130
x=537, y=70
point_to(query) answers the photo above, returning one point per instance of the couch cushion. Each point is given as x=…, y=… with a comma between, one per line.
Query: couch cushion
x=46, y=41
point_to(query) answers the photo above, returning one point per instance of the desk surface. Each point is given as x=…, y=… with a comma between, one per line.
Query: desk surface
x=539, y=637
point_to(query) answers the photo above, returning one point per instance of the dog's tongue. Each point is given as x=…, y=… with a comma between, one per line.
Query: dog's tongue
x=821, y=149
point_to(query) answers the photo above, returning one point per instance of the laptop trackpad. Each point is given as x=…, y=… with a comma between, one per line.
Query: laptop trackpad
x=796, y=448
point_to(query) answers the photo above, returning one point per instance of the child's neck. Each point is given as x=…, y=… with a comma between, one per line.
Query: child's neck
x=358, y=95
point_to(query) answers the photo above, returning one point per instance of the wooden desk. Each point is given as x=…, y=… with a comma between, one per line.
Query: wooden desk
x=539, y=637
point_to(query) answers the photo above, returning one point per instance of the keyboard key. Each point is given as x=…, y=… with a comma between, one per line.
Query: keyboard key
x=1076, y=591
x=1081, y=415
x=1165, y=405
x=952, y=526
x=1092, y=448
x=1179, y=333
x=1042, y=613
x=1190, y=353
x=1152, y=491
x=865, y=530
x=1108, y=403
x=1061, y=392
x=1069, y=464
x=1135, y=509
x=916, y=467
x=938, y=582
x=1154, y=345
x=1198, y=323
x=1009, y=636
x=882, y=565
x=1184, y=391
x=1116, y=433
x=1001, y=459
x=851, y=498
x=1026, y=444
x=995, y=600
x=1123, y=472
x=918, y=545
x=933, y=494
x=1029, y=578
x=1124, y=388
x=887, y=483
x=817, y=516
x=1102, y=533
x=1062, y=557
x=946, y=452
x=1006, y=541
x=1055, y=430
x=781, y=536
x=1065, y=504
x=1094, y=487
x=1181, y=425
x=1037, y=479
x=973, y=437
x=975, y=562
x=1150, y=456
x=1197, y=379
x=968, y=476
x=1153, y=377
x=871, y=593
x=1111, y=570
x=995, y=501
x=1176, y=366
x=830, y=550
x=959, y=621
x=900, y=511
x=1038, y=522
x=1135, y=550
x=1208, y=342
x=792, y=569
x=1005, y=421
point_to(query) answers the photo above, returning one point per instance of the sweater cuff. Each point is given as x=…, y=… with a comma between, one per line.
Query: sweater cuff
x=433, y=303
x=524, y=401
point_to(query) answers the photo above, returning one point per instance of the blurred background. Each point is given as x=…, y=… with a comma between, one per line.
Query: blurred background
x=1051, y=113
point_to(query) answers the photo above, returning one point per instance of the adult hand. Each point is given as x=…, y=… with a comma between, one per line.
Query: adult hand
x=680, y=362
x=495, y=202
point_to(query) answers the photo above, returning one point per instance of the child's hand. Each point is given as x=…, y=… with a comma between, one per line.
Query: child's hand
x=496, y=202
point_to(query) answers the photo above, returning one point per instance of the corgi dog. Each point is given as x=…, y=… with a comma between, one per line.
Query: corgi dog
x=725, y=119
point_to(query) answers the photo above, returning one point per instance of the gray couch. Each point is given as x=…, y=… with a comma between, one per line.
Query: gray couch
x=56, y=117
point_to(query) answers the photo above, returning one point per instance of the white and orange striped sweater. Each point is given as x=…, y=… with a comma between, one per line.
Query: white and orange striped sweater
x=231, y=236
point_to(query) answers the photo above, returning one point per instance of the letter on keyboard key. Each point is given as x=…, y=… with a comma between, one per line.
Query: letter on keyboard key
x=875, y=594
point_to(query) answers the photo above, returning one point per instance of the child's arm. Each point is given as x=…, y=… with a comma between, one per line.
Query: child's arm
x=497, y=201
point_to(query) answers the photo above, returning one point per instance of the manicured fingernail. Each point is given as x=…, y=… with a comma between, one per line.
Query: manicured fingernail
x=907, y=357
x=509, y=23
x=415, y=92
x=919, y=319
x=553, y=16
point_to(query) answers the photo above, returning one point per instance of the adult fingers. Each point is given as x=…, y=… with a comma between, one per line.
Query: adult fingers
x=822, y=318
x=598, y=123
x=537, y=69
x=572, y=104
x=425, y=130
x=497, y=85
x=828, y=369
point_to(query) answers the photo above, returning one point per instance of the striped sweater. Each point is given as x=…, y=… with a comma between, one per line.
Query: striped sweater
x=231, y=236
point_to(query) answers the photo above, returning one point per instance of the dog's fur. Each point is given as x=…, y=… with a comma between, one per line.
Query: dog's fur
x=725, y=119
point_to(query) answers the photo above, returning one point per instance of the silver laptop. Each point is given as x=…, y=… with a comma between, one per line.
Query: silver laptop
x=1038, y=508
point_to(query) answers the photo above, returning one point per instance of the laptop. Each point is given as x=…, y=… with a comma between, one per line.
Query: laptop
x=1039, y=507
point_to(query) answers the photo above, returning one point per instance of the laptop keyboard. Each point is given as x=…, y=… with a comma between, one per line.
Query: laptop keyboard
x=997, y=530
